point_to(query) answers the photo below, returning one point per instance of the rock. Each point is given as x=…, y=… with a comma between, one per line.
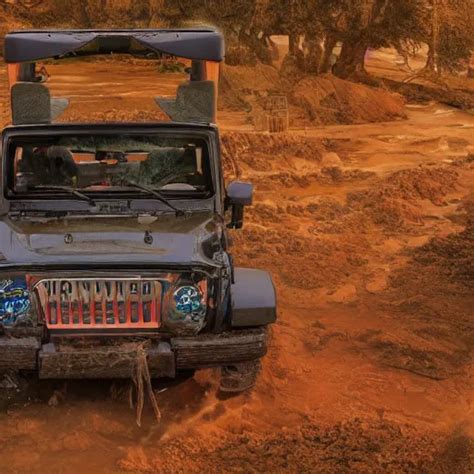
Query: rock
x=377, y=284
x=344, y=294
x=56, y=398
x=331, y=160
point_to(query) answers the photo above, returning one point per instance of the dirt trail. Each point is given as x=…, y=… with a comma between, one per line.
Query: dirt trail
x=368, y=233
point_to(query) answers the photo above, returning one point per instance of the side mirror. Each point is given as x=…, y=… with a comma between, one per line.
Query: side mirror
x=239, y=194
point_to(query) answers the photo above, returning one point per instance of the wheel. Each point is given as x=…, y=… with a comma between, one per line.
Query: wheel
x=238, y=378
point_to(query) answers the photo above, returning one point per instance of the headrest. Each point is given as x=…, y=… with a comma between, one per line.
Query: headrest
x=31, y=103
x=195, y=102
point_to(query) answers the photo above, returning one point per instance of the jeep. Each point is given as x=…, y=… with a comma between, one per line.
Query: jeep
x=114, y=236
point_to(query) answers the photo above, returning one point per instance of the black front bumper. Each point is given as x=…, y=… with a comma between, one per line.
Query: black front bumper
x=66, y=359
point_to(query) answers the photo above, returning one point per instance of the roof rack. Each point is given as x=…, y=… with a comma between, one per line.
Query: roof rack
x=33, y=45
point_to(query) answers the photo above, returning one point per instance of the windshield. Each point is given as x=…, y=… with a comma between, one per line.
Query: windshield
x=109, y=163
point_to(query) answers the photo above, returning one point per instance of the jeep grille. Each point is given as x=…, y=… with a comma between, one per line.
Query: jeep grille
x=100, y=303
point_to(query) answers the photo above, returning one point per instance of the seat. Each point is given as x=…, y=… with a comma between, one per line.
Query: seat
x=194, y=102
x=32, y=104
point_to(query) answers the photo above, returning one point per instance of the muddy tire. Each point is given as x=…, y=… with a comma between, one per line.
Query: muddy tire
x=238, y=378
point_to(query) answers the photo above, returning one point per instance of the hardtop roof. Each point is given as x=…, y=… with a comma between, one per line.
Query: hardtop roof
x=33, y=45
x=105, y=127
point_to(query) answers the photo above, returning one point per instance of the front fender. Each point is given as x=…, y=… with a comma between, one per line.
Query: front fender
x=253, y=298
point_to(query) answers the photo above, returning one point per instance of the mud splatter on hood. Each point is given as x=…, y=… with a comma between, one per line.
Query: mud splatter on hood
x=93, y=240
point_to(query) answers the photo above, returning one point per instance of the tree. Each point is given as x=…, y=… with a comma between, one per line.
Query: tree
x=446, y=27
x=451, y=39
x=314, y=27
x=363, y=24
x=241, y=21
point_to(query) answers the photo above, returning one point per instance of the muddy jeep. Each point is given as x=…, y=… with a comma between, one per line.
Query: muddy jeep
x=114, y=236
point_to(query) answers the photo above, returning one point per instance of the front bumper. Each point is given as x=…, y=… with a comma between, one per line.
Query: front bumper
x=76, y=359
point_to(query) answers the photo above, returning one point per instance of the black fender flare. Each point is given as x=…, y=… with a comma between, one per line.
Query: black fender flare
x=253, y=298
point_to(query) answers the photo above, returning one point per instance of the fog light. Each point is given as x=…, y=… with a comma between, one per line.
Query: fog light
x=14, y=300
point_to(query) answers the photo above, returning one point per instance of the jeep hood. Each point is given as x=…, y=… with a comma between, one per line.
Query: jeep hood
x=115, y=241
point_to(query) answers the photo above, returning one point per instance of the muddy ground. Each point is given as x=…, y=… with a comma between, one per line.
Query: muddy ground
x=368, y=231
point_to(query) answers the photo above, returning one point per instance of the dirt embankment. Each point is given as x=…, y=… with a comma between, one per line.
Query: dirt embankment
x=330, y=100
x=313, y=100
x=443, y=93
x=241, y=85
x=263, y=153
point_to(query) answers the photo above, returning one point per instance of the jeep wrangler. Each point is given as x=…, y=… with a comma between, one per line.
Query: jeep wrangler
x=114, y=236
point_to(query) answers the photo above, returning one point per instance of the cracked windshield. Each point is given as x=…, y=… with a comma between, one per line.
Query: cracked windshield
x=101, y=163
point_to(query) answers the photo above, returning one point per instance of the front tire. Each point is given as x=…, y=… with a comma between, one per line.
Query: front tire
x=240, y=377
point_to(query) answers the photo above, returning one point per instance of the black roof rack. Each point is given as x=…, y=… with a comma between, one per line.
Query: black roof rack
x=33, y=45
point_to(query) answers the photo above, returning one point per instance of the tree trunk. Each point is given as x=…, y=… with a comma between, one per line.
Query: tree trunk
x=329, y=46
x=351, y=61
x=293, y=44
x=80, y=12
x=430, y=59
x=313, y=57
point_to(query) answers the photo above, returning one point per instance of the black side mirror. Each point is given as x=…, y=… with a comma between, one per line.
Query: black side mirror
x=239, y=194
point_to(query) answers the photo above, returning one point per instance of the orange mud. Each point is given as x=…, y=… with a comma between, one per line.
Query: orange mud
x=327, y=100
x=368, y=233
x=313, y=100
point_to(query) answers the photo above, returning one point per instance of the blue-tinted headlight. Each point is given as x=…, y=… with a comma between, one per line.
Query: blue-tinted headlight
x=185, y=308
x=14, y=299
x=188, y=299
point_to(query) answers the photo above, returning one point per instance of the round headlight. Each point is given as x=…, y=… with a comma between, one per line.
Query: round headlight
x=186, y=308
x=14, y=300
x=188, y=299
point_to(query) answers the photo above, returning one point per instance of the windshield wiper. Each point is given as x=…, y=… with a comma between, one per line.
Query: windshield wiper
x=167, y=179
x=67, y=189
x=154, y=193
